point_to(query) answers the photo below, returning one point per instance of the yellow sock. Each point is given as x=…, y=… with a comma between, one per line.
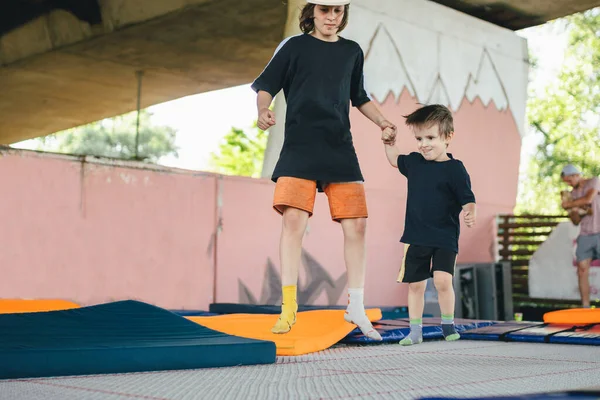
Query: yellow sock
x=289, y=307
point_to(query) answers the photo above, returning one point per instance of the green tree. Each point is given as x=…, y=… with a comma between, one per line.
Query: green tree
x=115, y=138
x=240, y=153
x=565, y=119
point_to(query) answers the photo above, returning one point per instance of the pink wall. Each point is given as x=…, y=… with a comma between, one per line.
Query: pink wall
x=105, y=233
x=116, y=231
x=488, y=143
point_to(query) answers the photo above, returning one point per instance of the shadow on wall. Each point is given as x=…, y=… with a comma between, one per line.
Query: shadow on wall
x=318, y=280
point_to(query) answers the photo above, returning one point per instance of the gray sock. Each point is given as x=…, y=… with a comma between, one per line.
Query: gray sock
x=448, y=328
x=416, y=333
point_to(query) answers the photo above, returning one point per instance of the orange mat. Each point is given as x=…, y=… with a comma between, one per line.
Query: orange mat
x=17, y=306
x=575, y=316
x=314, y=330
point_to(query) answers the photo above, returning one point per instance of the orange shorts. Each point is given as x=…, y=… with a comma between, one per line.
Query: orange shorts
x=346, y=200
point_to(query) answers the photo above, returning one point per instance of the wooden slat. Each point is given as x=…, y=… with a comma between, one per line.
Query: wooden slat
x=520, y=252
x=523, y=242
x=528, y=234
x=515, y=225
x=519, y=236
x=536, y=216
x=520, y=273
x=520, y=289
x=517, y=263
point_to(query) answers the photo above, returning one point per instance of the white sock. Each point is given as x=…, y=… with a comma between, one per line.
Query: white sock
x=355, y=313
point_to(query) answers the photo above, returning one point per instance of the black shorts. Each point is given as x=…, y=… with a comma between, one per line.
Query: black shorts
x=420, y=262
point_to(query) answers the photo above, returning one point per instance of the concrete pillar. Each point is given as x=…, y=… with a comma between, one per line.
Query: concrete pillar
x=276, y=133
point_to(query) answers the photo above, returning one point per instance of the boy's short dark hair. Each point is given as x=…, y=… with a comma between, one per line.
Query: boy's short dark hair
x=307, y=23
x=434, y=114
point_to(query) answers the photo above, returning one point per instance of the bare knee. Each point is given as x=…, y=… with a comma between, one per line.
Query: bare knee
x=442, y=281
x=417, y=288
x=294, y=221
x=355, y=228
x=583, y=267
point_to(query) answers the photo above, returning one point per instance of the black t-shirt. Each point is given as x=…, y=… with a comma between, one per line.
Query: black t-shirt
x=436, y=193
x=319, y=80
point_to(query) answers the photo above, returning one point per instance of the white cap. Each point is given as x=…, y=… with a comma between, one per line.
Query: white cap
x=329, y=2
x=569, y=169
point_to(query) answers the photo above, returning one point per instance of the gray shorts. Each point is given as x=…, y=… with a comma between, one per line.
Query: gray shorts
x=588, y=247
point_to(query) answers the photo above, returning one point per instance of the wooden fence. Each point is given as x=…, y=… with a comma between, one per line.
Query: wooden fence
x=519, y=236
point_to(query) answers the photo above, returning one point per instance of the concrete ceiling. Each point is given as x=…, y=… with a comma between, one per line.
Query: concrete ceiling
x=519, y=14
x=65, y=63
x=58, y=72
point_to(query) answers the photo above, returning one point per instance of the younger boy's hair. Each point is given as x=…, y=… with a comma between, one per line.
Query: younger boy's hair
x=434, y=114
x=307, y=22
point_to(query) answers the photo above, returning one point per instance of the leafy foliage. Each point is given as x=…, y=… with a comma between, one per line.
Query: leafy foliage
x=115, y=138
x=241, y=153
x=565, y=118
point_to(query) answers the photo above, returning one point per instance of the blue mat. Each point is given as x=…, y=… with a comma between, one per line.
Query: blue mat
x=570, y=395
x=397, y=329
x=589, y=335
x=120, y=337
x=537, y=332
x=499, y=330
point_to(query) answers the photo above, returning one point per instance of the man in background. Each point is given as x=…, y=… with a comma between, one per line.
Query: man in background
x=584, y=207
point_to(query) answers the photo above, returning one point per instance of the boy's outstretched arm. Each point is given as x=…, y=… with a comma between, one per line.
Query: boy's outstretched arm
x=469, y=214
x=392, y=152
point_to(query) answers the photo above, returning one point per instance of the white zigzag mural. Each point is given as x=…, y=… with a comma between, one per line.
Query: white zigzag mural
x=439, y=55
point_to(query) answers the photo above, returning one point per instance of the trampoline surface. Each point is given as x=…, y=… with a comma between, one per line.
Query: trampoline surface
x=465, y=368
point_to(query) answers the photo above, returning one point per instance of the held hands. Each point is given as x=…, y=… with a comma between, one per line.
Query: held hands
x=388, y=132
x=266, y=119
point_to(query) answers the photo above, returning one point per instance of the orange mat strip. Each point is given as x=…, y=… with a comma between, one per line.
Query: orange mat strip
x=574, y=316
x=314, y=330
x=17, y=306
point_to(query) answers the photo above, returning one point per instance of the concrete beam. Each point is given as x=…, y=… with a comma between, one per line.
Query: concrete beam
x=58, y=73
x=519, y=14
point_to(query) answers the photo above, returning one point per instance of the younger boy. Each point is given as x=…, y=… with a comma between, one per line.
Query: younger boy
x=439, y=188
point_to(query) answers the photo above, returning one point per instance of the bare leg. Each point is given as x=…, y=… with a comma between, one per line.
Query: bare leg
x=416, y=299
x=443, y=284
x=416, y=304
x=355, y=250
x=355, y=256
x=294, y=224
x=583, y=274
x=290, y=251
